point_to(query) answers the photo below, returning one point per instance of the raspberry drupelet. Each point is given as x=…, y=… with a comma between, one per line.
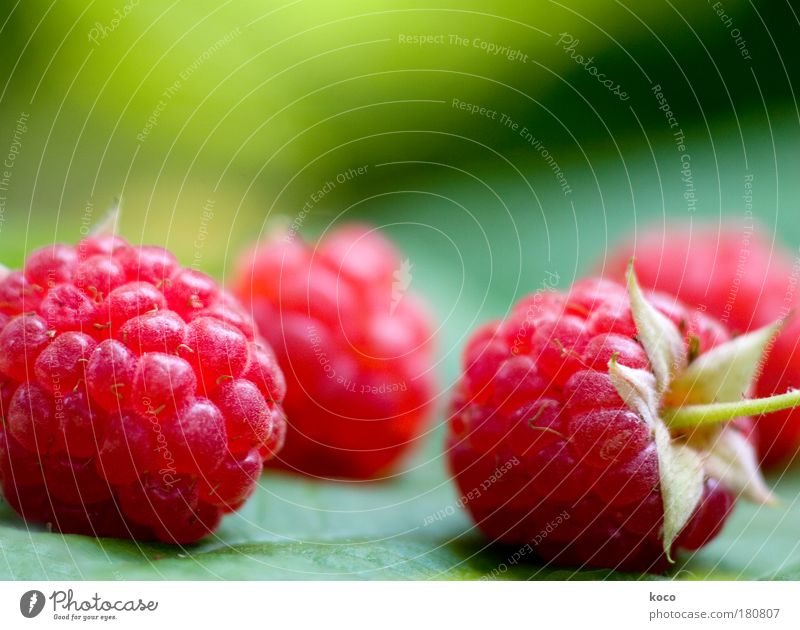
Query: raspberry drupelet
x=136, y=400
x=571, y=430
x=354, y=345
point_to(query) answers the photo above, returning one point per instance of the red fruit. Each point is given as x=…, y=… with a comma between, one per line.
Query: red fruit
x=743, y=278
x=229, y=310
x=355, y=349
x=607, y=436
x=156, y=502
x=18, y=466
x=108, y=356
x=547, y=453
x=263, y=370
x=82, y=425
x=105, y=244
x=277, y=437
x=17, y=294
x=127, y=449
x=66, y=307
x=32, y=420
x=75, y=481
x=125, y=302
x=188, y=291
x=192, y=525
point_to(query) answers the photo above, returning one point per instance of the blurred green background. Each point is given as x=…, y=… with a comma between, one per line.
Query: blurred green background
x=477, y=134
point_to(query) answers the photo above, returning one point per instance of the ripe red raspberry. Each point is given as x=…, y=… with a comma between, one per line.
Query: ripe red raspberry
x=354, y=346
x=136, y=401
x=743, y=278
x=571, y=433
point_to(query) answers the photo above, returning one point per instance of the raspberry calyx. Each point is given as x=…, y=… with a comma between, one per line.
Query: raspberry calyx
x=699, y=264
x=686, y=405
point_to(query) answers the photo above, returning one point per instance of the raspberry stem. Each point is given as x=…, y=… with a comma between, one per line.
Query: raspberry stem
x=696, y=415
x=107, y=226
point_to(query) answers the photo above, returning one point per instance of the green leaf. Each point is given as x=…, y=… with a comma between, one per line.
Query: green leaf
x=295, y=528
x=299, y=529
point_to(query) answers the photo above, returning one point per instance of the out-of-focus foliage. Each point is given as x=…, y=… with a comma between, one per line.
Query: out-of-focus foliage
x=253, y=105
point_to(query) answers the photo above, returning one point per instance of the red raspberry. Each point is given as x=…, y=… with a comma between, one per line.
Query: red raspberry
x=355, y=349
x=548, y=454
x=744, y=279
x=136, y=401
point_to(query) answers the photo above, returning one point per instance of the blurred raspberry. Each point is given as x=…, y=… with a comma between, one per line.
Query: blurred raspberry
x=354, y=345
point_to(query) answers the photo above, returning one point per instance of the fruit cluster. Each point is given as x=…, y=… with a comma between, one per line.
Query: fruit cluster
x=607, y=426
x=137, y=401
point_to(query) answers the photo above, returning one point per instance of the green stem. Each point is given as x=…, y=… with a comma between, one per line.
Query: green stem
x=696, y=415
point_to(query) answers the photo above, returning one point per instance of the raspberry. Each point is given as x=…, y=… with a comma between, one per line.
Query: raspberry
x=136, y=400
x=569, y=431
x=746, y=281
x=235, y=482
x=354, y=346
